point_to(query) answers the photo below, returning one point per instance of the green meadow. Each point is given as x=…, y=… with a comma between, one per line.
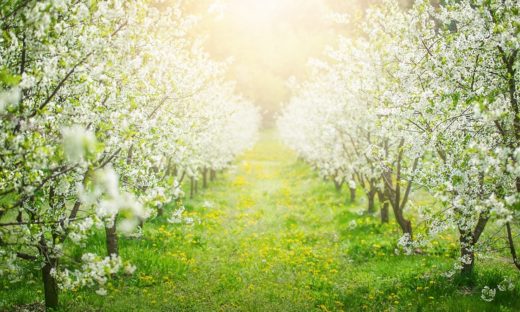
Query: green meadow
x=270, y=235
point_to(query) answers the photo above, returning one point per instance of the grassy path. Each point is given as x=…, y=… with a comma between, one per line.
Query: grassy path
x=265, y=246
x=269, y=235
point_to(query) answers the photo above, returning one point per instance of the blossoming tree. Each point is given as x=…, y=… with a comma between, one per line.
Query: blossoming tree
x=435, y=103
x=103, y=109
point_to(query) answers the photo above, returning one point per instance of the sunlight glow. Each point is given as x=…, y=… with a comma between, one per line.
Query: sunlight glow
x=258, y=11
x=269, y=41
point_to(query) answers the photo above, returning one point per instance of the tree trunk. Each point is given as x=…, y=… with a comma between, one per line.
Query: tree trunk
x=512, y=249
x=406, y=225
x=196, y=186
x=384, y=213
x=371, y=202
x=397, y=205
x=205, y=178
x=337, y=185
x=384, y=208
x=49, y=284
x=111, y=240
x=468, y=239
x=160, y=211
x=212, y=175
x=352, y=195
x=467, y=253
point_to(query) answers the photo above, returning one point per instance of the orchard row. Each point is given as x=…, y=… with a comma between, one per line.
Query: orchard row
x=422, y=99
x=105, y=108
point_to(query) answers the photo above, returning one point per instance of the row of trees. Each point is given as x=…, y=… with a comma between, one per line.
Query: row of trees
x=424, y=98
x=105, y=108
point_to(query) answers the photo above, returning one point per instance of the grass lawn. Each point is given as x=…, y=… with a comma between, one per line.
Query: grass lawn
x=269, y=235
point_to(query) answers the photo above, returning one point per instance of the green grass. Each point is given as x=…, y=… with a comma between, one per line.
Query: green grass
x=271, y=236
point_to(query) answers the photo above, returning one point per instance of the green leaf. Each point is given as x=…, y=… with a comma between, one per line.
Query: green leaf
x=9, y=79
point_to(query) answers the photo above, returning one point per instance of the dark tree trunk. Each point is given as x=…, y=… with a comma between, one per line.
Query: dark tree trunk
x=467, y=253
x=205, y=178
x=468, y=239
x=160, y=211
x=394, y=194
x=512, y=249
x=111, y=240
x=371, y=202
x=196, y=186
x=49, y=284
x=352, y=195
x=384, y=213
x=337, y=185
x=406, y=225
x=384, y=208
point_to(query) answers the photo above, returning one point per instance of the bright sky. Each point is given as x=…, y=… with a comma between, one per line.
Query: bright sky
x=270, y=41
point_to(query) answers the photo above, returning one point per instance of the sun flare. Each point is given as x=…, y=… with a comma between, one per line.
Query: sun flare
x=257, y=13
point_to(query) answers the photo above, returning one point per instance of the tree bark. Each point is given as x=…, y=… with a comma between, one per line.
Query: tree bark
x=49, y=284
x=160, y=211
x=512, y=246
x=467, y=253
x=111, y=240
x=337, y=185
x=371, y=195
x=406, y=225
x=394, y=194
x=384, y=213
x=352, y=195
x=384, y=208
x=468, y=239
